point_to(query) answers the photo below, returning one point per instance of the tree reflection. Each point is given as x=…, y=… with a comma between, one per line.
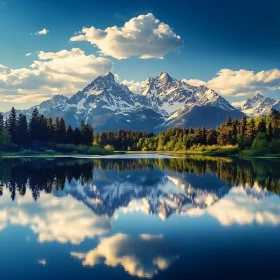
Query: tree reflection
x=42, y=175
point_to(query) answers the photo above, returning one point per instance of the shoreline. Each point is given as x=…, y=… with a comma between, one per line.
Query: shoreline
x=142, y=154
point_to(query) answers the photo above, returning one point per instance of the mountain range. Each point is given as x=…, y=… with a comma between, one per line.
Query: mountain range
x=155, y=191
x=163, y=102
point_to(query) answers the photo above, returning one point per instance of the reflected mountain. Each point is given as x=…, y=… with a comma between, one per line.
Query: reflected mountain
x=86, y=218
x=157, y=186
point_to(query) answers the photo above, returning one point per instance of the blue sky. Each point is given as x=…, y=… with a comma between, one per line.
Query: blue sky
x=196, y=40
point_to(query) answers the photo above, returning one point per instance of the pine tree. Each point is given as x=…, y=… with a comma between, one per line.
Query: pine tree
x=203, y=136
x=22, y=130
x=229, y=121
x=77, y=136
x=50, y=128
x=34, y=125
x=1, y=122
x=12, y=125
x=251, y=130
x=60, y=130
x=262, y=126
x=269, y=132
x=234, y=137
x=243, y=127
x=62, y=127
x=70, y=135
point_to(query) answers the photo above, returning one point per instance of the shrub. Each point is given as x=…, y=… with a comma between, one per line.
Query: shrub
x=109, y=148
x=260, y=145
x=274, y=146
x=245, y=143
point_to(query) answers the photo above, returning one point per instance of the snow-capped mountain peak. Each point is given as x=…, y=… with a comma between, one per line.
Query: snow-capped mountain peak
x=257, y=105
x=109, y=105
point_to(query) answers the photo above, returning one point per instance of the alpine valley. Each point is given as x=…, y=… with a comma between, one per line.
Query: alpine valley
x=163, y=102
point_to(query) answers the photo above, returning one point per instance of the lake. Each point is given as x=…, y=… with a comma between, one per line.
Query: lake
x=135, y=218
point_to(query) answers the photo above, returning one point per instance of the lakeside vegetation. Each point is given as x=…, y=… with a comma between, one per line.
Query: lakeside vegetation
x=259, y=136
x=42, y=135
x=248, y=137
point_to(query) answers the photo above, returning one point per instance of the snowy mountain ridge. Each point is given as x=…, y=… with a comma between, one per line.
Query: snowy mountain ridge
x=257, y=105
x=162, y=103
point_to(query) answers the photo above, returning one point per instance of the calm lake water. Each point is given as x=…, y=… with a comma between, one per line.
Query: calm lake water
x=129, y=218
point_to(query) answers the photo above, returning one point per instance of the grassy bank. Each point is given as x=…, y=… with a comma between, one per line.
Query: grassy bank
x=60, y=150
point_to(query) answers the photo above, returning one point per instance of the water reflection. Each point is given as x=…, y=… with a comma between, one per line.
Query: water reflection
x=63, y=220
x=141, y=256
x=137, y=215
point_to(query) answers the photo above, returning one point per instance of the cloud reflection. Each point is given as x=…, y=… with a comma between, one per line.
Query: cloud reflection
x=53, y=219
x=244, y=206
x=142, y=256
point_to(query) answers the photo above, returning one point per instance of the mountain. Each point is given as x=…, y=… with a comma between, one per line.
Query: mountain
x=163, y=102
x=153, y=191
x=257, y=105
x=184, y=105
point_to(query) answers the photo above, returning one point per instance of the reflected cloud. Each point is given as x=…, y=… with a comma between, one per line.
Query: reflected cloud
x=244, y=206
x=53, y=219
x=142, y=256
x=42, y=262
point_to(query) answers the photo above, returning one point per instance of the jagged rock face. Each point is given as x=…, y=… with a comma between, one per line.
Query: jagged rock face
x=162, y=103
x=258, y=105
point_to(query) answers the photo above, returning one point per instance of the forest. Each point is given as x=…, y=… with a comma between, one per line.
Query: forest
x=45, y=135
x=41, y=134
x=250, y=136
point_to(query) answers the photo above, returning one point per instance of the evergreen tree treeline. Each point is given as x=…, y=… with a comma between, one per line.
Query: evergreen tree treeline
x=16, y=130
x=233, y=132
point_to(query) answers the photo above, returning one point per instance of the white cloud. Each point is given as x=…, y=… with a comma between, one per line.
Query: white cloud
x=42, y=32
x=238, y=104
x=133, y=85
x=28, y=54
x=63, y=72
x=42, y=262
x=143, y=36
x=242, y=82
x=230, y=82
x=141, y=256
x=194, y=82
x=53, y=219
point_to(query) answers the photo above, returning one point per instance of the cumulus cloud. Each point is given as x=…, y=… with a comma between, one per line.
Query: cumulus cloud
x=141, y=256
x=238, y=104
x=42, y=32
x=194, y=82
x=42, y=262
x=28, y=54
x=133, y=85
x=63, y=72
x=52, y=219
x=242, y=82
x=143, y=36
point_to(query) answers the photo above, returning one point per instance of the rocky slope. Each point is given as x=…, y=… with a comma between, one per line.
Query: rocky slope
x=163, y=102
x=257, y=105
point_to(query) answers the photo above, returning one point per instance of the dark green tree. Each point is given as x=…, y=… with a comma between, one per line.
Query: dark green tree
x=12, y=124
x=34, y=125
x=22, y=130
x=1, y=122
